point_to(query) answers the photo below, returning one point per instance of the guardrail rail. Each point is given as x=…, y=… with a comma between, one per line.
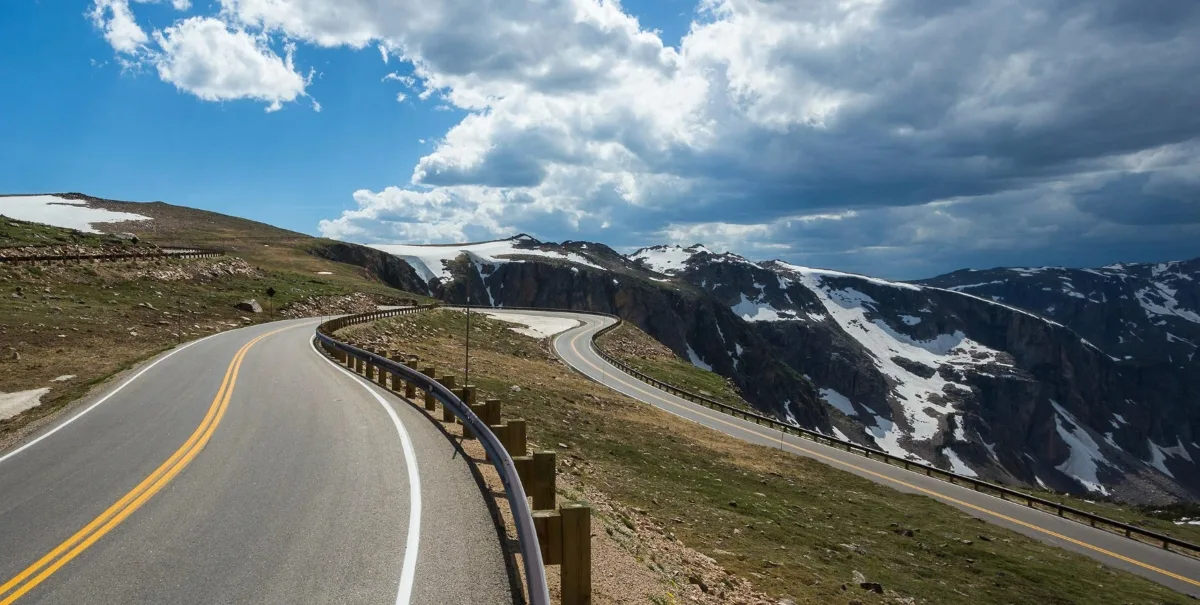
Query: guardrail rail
x=110, y=256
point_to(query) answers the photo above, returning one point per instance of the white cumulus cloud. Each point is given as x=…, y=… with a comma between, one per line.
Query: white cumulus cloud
x=120, y=29
x=205, y=57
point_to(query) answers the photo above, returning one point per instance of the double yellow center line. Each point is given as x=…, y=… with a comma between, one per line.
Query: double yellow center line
x=63, y=553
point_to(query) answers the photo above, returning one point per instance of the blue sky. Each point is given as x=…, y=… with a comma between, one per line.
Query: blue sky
x=901, y=138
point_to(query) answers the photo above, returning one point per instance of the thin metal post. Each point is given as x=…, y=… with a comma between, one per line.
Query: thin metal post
x=467, y=363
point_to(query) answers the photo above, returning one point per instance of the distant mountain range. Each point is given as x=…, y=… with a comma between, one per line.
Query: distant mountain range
x=1081, y=380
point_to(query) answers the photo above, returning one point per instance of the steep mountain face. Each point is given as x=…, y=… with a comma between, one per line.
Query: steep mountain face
x=965, y=382
x=387, y=267
x=1146, y=313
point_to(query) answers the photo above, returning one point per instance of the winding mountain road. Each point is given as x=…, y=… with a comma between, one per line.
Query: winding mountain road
x=245, y=468
x=1175, y=571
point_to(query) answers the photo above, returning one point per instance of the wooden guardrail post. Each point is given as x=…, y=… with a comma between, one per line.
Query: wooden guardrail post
x=467, y=395
x=491, y=411
x=397, y=383
x=515, y=442
x=380, y=373
x=544, y=479
x=576, y=571
x=430, y=402
x=565, y=539
x=448, y=382
x=410, y=389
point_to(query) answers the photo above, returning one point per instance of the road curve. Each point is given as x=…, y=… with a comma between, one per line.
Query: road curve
x=1169, y=569
x=245, y=468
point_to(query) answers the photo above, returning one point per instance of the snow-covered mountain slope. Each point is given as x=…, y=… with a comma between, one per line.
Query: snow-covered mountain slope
x=433, y=261
x=966, y=382
x=1136, y=312
x=672, y=260
x=955, y=377
x=61, y=212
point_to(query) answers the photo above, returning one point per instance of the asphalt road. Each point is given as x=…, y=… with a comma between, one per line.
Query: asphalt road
x=227, y=473
x=1169, y=569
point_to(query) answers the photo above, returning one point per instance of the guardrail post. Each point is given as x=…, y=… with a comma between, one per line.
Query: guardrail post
x=516, y=444
x=565, y=539
x=544, y=473
x=448, y=382
x=548, y=524
x=467, y=395
x=576, y=572
x=381, y=373
x=491, y=411
x=397, y=383
x=430, y=402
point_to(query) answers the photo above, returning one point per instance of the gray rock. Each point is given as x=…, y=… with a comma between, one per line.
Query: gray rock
x=249, y=306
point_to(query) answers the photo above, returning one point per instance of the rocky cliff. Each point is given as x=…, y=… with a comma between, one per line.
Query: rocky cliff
x=386, y=267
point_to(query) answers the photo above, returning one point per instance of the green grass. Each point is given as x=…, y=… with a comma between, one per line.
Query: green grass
x=639, y=350
x=796, y=528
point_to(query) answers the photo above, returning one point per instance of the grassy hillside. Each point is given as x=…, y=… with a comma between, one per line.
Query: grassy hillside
x=86, y=322
x=640, y=351
x=793, y=527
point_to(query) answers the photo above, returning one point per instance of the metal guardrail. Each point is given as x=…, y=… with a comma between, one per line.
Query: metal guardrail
x=169, y=253
x=535, y=571
x=1129, y=531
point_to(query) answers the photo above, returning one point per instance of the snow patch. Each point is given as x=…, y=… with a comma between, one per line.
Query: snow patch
x=667, y=259
x=695, y=359
x=758, y=311
x=61, y=212
x=1165, y=305
x=1085, y=458
x=430, y=261
x=839, y=401
x=957, y=465
x=804, y=272
x=536, y=326
x=909, y=320
x=14, y=403
x=1159, y=454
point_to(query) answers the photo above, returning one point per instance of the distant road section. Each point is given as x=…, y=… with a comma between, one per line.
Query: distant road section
x=1169, y=569
x=245, y=468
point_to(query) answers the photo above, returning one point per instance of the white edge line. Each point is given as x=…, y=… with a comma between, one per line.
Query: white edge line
x=103, y=399
x=408, y=568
